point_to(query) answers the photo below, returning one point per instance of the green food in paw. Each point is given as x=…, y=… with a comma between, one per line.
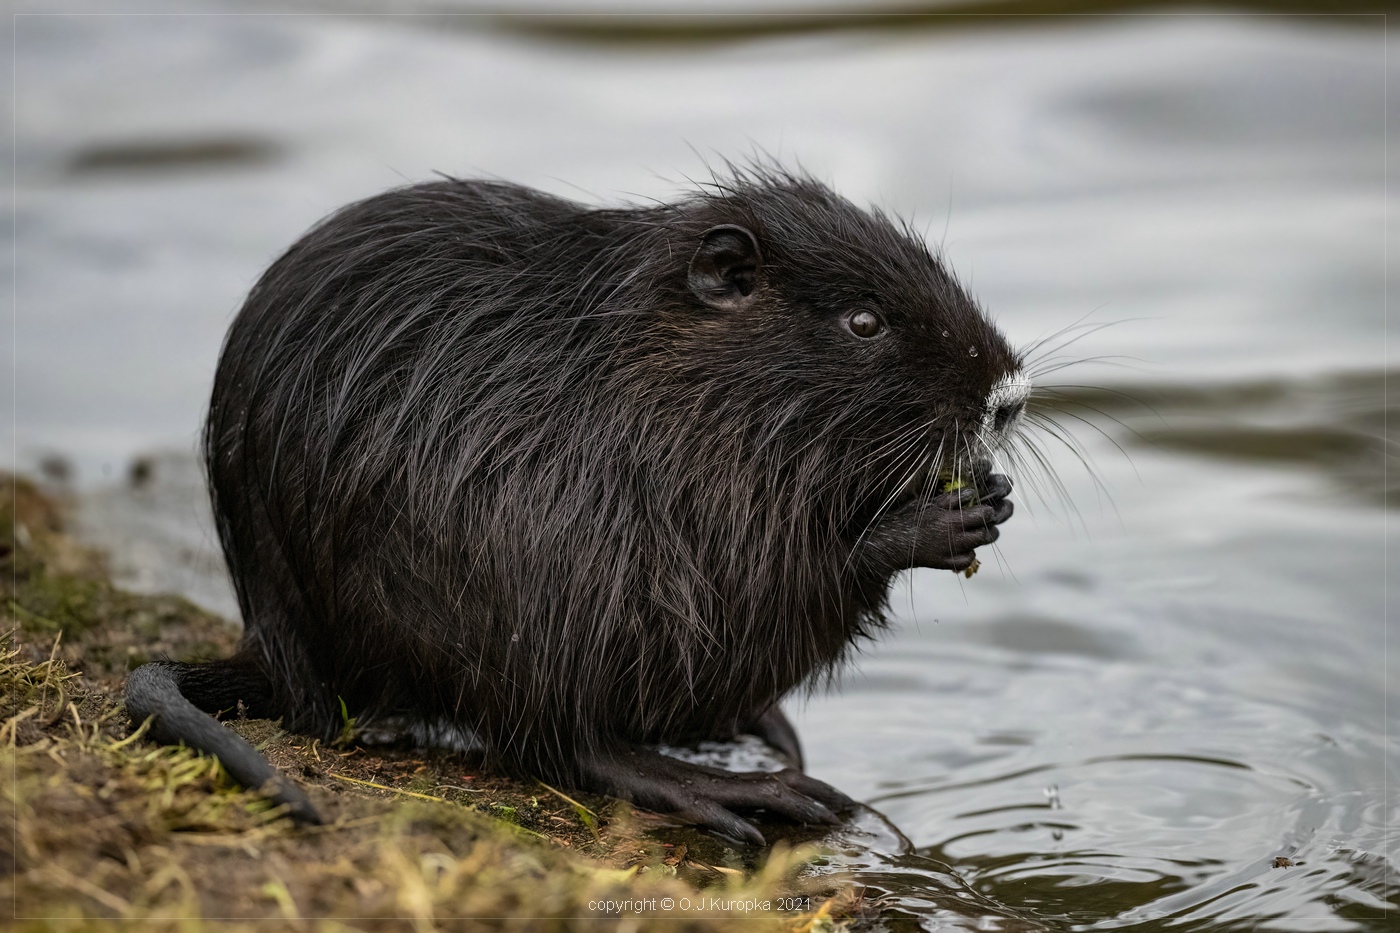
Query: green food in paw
x=952, y=483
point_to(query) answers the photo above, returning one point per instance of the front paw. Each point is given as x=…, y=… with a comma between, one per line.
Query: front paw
x=942, y=531
x=954, y=525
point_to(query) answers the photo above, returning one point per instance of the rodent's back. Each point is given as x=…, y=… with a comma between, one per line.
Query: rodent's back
x=372, y=340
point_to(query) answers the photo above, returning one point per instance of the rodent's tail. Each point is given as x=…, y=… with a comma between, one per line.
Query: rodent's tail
x=163, y=691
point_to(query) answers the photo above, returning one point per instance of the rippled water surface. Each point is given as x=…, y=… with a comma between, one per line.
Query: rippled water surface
x=1173, y=669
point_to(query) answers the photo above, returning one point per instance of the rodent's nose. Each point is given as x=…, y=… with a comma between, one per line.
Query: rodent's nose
x=1005, y=403
x=1005, y=414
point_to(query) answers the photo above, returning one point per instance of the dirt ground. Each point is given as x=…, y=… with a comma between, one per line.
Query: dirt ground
x=101, y=827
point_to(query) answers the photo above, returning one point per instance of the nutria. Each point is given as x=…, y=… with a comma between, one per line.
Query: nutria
x=570, y=483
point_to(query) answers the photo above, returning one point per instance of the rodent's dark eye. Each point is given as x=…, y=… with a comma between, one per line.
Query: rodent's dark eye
x=865, y=324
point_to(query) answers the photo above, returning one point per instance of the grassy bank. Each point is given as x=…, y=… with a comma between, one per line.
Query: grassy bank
x=100, y=826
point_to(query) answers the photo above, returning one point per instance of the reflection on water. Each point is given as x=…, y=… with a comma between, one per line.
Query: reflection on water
x=165, y=156
x=1171, y=670
x=1334, y=425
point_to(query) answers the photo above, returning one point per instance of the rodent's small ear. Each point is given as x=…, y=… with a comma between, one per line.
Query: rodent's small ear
x=724, y=270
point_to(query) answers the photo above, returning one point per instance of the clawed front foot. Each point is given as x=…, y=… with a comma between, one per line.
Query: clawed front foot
x=941, y=531
x=708, y=796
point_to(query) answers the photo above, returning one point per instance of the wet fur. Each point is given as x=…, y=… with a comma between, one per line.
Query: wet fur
x=479, y=456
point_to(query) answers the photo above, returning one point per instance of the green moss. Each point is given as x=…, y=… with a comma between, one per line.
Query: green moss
x=48, y=605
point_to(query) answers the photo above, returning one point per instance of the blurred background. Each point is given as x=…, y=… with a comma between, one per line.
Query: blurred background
x=1172, y=670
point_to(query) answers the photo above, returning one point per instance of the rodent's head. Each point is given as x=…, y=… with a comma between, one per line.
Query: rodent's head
x=839, y=319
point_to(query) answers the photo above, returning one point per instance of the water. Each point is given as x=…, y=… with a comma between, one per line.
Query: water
x=1168, y=674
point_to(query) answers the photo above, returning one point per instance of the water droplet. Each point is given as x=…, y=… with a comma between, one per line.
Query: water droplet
x=515, y=637
x=1052, y=794
x=945, y=333
x=1057, y=834
x=971, y=351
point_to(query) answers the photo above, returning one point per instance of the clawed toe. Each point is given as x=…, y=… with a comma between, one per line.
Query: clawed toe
x=829, y=796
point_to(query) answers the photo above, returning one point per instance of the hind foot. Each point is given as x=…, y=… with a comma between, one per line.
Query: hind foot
x=708, y=796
